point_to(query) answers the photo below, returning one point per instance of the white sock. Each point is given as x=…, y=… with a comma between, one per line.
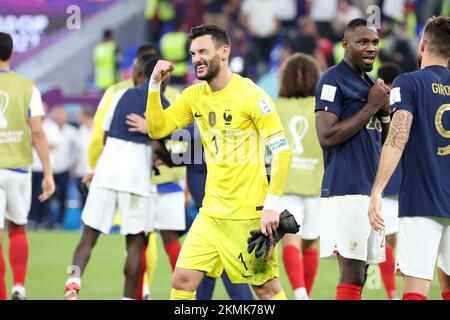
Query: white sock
x=19, y=289
x=75, y=280
x=145, y=291
x=126, y=298
x=301, y=294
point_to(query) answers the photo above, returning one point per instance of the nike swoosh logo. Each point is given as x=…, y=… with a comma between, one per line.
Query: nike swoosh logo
x=197, y=115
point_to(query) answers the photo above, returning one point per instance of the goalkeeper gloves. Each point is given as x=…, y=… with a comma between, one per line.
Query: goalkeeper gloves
x=264, y=246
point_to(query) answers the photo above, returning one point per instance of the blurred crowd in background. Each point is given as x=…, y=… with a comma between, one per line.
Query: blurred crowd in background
x=263, y=33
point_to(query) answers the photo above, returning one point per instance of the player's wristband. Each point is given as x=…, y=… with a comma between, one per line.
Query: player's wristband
x=386, y=119
x=154, y=86
x=271, y=202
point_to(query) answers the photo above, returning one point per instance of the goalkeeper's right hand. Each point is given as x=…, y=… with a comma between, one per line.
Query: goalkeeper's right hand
x=161, y=71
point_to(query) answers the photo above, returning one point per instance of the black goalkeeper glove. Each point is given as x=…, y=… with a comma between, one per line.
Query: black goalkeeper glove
x=264, y=245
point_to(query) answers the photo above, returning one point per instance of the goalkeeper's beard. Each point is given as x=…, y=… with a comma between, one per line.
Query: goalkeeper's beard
x=213, y=67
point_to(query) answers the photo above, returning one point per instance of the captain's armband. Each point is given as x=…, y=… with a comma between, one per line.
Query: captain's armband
x=277, y=143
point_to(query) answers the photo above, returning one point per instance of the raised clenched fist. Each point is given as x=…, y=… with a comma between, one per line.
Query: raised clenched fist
x=162, y=70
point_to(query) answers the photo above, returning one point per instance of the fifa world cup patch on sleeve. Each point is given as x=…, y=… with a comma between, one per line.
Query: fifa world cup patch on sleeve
x=265, y=106
x=328, y=93
x=395, y=95
x=278, y=144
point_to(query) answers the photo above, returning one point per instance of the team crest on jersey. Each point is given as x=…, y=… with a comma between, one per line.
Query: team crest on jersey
x=353, y=245
x=212, y=118
x=227, y=117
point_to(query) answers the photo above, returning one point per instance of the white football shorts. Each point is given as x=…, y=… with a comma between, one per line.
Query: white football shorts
x=15, y=196
x=345, y=230
x=101, y=206
x=306, y=211
x=169, y=210
x=389, y=210
x=422, y=240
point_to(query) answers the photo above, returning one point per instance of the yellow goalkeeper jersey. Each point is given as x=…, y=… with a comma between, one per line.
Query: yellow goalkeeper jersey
x=236, y=123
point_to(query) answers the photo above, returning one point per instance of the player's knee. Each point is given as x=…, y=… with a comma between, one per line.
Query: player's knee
x=131, y=269
x=309, y=244
x=391, y=240
x=356, y=276
x=267, y=290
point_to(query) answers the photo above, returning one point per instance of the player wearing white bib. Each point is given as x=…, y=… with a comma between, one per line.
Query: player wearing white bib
x=121, y=181
x=298, y=79
x=21, y=112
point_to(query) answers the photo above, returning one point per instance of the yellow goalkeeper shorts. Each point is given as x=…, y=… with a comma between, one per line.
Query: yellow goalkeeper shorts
x=213, y=245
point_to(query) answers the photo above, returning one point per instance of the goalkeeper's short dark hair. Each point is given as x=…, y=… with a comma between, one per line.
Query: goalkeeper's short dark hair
x=6, y=46
x=217, y=33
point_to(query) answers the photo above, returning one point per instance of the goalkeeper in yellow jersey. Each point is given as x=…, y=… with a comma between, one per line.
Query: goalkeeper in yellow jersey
x=237, y=120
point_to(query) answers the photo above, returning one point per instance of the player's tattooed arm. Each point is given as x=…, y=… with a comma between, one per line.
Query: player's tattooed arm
x=390, y=156
x=399, y=130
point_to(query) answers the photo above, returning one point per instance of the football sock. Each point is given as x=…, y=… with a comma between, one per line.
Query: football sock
x=294, y=267
x=387, y=269
x=151, y=257
x=181, y=295
x=347, y=291
x=18, y=255
x=3, y=295
x=446, y=295
x=310, y=265
x=173, y=249
x=301, y=294
x=413, y=296
x=279, y=296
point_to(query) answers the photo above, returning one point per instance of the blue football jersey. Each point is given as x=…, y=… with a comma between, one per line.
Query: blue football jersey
x=350, y=167
x=425, y=188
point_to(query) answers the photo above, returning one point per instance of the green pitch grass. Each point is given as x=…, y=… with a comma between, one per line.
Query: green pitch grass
x=51, y=254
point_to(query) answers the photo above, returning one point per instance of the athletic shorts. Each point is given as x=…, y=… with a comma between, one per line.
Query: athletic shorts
x=345, y=229
x=422, y=240
x=389, y=209
x=306, y=211
x=102, y=204
x=169, y=210
x=213, y=245
x=15, y=196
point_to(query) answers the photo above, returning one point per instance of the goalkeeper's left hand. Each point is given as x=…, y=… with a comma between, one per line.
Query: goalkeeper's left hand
x=265, y=245
x=270, y=220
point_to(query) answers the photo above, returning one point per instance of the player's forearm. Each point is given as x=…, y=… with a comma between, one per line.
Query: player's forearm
x=331, y=135
x=279, y=171
x=388, y=162
x=39, y=141
x=393, y=148
x=158, y=124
